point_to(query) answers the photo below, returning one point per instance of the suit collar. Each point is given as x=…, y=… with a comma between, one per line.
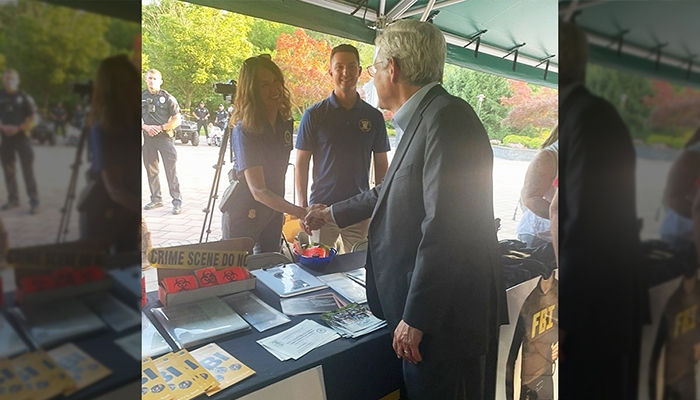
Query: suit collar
x=407, y=138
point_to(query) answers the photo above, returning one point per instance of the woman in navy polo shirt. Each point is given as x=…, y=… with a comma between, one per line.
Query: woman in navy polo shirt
x=111, y=207
x=261, y=142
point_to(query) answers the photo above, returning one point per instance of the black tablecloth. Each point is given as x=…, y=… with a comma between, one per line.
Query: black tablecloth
x=353, y=369
x=100, y=346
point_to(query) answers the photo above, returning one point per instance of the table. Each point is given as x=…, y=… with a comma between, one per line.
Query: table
x=353, y=369
x=101, y=347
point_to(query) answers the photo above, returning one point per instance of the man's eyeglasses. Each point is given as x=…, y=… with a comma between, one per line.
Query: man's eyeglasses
x=371, y=69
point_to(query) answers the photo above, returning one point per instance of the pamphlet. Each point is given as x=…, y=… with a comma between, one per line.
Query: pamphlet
x=131, y=344
x=225, y=368
x=358, y=275
x=353, y=320
x=181, y=380
x=153, y=385
x=255, y=311
x=82, y=368
x=205, y=380
x=310, y=304
x=346, y=287
x=11, y=344
x=298, y=341
x=112, y=311
x=41, y=376
x=288, y=280
x=51, y=324
x=152, y=342
x=11, y=384
x=192, y=324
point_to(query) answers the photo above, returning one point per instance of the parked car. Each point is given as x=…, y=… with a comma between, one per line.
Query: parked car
x=187, y=132
x=43, y=131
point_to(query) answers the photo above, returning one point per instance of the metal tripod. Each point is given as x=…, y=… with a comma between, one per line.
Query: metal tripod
x=214, y=194
x=70, y=197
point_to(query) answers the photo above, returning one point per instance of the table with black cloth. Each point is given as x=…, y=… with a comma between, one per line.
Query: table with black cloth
x=353, y=369
x=99, y=345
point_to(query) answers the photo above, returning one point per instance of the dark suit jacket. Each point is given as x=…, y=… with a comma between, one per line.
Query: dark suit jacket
x=433, y=257
x=603, y=296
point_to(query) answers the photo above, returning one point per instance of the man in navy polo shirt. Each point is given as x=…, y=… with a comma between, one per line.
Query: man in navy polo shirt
x=341, y=132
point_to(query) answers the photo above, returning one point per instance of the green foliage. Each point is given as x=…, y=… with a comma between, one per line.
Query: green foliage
x=120, y=35
x=670, y=141
x=614, y=85
x=194, y=46
x=52, y=46
x=263, y=34
x=469, y=84
x=529, y=142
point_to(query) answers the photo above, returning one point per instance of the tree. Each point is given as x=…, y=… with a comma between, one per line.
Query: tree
x=194, y=46
x=531, y=108
x=304, y=61
x=264, y=34
x=51, y=47
x=469, y=84
x=626, y=92
x=674, y=108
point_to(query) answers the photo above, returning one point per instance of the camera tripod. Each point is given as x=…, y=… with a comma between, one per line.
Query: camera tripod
x=214, y=193
x=70, y=196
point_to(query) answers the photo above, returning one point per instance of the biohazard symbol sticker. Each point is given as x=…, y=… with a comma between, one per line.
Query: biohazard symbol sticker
x=365, y=125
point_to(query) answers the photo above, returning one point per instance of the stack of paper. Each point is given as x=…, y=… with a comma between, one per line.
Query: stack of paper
x=255, y=311
x=346, y=287
x=11, y=344
x=152, y=342
x=311, y=304
x=82, y=368
x=288, y=280
x=353, y=321
x=112, y=311
x=358, y=275
x=195, y=323
x=299, y=340
x=225, y=368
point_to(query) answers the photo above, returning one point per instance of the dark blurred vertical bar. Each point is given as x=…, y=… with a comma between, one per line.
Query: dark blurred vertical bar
x=54, y=48
x=629, y=112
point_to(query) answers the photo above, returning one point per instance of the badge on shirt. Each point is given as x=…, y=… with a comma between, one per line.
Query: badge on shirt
x=287, y=137
x=365, y=125
x=251, y=214
x=162, y=99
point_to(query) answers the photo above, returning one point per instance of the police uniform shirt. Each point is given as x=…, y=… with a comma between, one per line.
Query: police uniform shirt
x=221, y=116
x=15, y=107
x=342, y=142
x=156, y=109
x=267, y=149
x=59, y=113
x=201, y=112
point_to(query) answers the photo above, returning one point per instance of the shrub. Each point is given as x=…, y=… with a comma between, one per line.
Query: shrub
x=670, y=141
x=524, y=141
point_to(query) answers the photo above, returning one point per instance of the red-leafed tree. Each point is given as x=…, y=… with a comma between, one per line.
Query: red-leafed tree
x=674, y=108
x=304, y=63
x=531, y=108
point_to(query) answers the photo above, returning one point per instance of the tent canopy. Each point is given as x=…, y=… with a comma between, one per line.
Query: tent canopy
x=633, y=35
x=123, y=9
x=505, y=25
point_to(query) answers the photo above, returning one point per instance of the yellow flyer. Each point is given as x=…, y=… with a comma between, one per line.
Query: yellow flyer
x=207, y=381
x=82, y=368
x=42, y=378
x=225, y=368
x=11, y=386
x=182, y=381
x=153, y=386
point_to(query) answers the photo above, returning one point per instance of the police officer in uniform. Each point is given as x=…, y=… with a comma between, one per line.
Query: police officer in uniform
x=58, y=115
x=160, y=115
x=201, y=114
x=17, y=111
x=221, y=117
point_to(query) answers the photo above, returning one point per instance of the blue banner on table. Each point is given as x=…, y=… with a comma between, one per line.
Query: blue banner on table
x=529, y=346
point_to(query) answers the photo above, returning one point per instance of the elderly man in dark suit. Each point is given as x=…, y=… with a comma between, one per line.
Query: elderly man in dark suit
x=603, y=297
x=433, y=260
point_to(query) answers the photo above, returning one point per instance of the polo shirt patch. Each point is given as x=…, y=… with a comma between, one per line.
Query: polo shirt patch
x=365, y=125
x=287, y=137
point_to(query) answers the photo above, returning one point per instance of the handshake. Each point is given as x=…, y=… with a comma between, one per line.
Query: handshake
x=316, y=216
